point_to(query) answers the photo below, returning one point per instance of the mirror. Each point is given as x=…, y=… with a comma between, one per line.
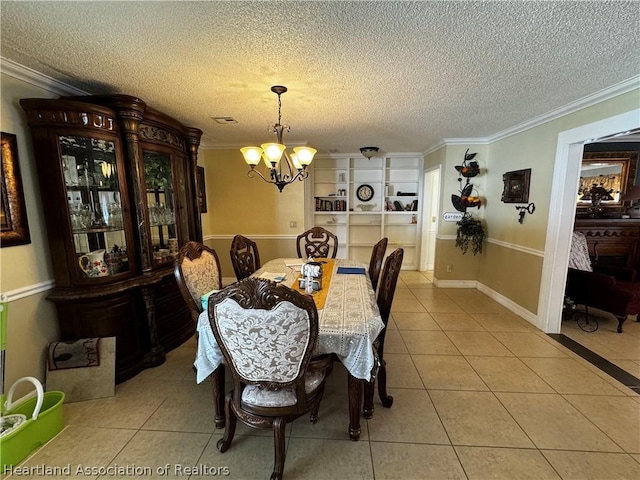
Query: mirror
x=604, y=178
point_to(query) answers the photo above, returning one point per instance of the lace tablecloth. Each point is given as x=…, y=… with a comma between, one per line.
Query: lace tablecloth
x=349, y=322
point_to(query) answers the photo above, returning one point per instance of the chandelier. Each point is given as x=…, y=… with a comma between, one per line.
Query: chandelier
x=281, y=173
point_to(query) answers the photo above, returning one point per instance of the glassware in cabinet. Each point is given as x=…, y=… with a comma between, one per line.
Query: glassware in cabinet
x=161, y=205
x=94, y=200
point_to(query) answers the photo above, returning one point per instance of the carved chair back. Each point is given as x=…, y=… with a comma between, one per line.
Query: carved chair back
x=244, y=256
x=197, y=271
x=375, y=264
x=267, y=333
x=317, y=242
x=386, y=291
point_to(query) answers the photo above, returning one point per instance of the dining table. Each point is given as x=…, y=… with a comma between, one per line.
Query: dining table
x=348, y=317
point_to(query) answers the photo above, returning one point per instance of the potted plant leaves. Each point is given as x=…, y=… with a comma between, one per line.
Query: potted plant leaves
x=470, y=233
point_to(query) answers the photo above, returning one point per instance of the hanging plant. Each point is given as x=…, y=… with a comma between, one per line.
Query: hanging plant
x=470, y=233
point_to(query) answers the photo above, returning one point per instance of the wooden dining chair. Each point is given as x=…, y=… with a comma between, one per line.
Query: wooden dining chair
x=375, y=264
x=244, y=256
x=197, y=272
x=388, y=281
x=317, y=242
x=267, y=333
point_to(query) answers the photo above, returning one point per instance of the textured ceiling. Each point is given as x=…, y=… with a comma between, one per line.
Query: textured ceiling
x=398, y=75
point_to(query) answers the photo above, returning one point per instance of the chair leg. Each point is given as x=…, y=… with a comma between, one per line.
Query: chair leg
x=279, y=427
x=313, y=418
x=217, y=386
x=621, y=320
x=225, y=442
x=387, y=400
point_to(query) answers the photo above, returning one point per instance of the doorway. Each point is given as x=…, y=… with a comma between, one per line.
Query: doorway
x=430, y=215
x=564, y=190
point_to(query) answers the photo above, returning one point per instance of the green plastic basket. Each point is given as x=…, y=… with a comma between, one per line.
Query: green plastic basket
x=44, y=421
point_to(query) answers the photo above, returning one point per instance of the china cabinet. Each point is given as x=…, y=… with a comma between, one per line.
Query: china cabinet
x=362, y=200
x=118, y=188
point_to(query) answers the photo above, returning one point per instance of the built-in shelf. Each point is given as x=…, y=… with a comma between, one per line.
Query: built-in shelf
x=333, y=203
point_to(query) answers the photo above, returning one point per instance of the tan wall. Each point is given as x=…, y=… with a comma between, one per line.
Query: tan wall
x=511, y=263
x=513, y=274
x=239, y=204
x=463, y=267
x=32, y=322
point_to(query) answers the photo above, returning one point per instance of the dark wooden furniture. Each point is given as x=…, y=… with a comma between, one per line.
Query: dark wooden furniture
x=118, y=189
x=613, y=242
x=608, y=288
x=317, y=242
x=197, y=272
x=274, y=380
x=375, y=264
x=245, y=257
x=388, y=281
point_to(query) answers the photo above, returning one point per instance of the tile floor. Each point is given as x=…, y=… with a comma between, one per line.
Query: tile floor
x=479, y=394
x=621, y=349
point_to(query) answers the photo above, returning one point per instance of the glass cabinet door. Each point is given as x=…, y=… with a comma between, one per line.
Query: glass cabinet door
x=161, y=204
x=95, y=205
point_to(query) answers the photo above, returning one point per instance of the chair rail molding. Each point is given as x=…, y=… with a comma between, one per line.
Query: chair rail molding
x=29, y=290
x=253, y=236
x=512, y=246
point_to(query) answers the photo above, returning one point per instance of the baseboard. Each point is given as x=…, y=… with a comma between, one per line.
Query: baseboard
x=509, y=304
x=501, y=299
x=455, y=283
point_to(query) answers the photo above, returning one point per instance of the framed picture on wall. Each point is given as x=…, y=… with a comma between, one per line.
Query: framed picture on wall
x=202, y=191
x=13, y=212
x=516, y=186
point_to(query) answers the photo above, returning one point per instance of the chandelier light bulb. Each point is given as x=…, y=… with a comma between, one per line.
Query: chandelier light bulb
x=305, y=155
x=295, y=161
x=252, y=155
x=272, y=152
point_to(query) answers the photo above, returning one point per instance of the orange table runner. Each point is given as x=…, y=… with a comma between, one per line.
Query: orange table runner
x=320, y=296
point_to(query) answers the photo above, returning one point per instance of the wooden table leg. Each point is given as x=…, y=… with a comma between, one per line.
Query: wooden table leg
x=355, y=404
x=217, y=386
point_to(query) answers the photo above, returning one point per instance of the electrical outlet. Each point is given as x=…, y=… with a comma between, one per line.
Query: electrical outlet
x=449, y=268
x=293, y=224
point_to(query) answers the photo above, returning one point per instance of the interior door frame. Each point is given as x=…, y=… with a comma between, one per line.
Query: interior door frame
x=431, y=208
x=564, y=189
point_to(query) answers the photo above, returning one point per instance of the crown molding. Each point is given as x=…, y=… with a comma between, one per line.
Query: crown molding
x=238, y=146
x=28, y=75
x=33, y=77
x=621, y=88
x=580, y=104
